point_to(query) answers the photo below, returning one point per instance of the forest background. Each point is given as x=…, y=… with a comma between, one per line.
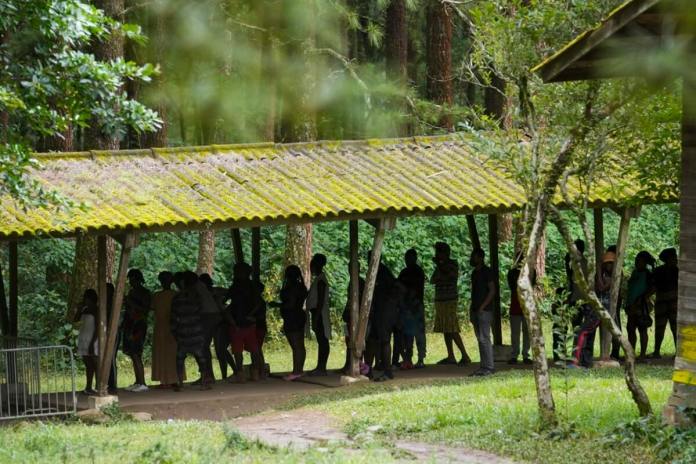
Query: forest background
x=234, y=71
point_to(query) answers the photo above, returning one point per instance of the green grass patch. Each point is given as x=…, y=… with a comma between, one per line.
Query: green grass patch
x=499, y=415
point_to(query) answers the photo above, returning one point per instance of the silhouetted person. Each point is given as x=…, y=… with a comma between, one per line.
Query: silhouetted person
x=292, y=298
x=518, y=323
x=386, y=301
x=483, y=290
x=137, y=307
x=211, y=315
x=244, y=303
x=87, y=346
x=603, y=287
x=666, y=282
x=412, y=278
x=445, y=279
x=318, y=306
x=187, y=329
x=640, y=285
x=221, y=332
x=163, y=342
x=113, y=371
x=346, y=317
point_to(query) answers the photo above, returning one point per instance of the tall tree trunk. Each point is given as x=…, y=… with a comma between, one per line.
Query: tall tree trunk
x=396, y=53
x=684, y=377
x=639, y=396
x=439, y=59
x=85, y=265
x=298, y=124
x=206, y=252
x=4, y=309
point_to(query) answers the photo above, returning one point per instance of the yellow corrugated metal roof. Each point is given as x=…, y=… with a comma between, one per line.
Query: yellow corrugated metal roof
x=245, y=185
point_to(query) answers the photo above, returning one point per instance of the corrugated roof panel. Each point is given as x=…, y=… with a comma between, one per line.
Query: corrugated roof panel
x=239, y=185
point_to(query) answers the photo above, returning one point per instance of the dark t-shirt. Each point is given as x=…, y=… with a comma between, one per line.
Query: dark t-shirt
x=243, y=303
x=666, y=281
x=292, y=298
x=480, y=280
x=413, y=278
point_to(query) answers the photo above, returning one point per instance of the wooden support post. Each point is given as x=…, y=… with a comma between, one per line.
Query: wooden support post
x=473, y=231
x=101, y=291
x=598, y=222
x=256, y=254
x=14, y=292
x=355, y=355
x=237, y=246
x=624, y=227
x=119, y=292
x=4, y=310
x=370, y=279
x=495, y=267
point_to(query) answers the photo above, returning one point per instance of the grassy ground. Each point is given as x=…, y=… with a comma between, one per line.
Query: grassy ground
x=497, y=414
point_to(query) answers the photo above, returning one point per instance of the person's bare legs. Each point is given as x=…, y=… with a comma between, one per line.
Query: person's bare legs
x=256, y=366
x=457, y=338
x=239, y=375
x=450, y=347
x=643, y=341
x=90, y=368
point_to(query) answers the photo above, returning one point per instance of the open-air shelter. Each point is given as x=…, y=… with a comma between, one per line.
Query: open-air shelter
x=616, y=48
x=129, y=192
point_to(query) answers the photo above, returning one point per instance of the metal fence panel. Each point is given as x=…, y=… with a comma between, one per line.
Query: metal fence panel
x=36, y=381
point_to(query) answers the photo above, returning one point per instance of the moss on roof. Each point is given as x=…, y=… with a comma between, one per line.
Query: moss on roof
x=253, y=184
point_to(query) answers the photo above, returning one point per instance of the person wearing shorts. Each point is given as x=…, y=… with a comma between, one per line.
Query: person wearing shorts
x=242, y=310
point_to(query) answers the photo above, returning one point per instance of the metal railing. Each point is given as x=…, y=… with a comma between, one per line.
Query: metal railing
x=36, y=381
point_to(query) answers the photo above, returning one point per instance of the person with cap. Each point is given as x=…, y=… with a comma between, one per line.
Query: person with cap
x=640, y=286
x=603, y=287
x=666, y=287
x=445, y=279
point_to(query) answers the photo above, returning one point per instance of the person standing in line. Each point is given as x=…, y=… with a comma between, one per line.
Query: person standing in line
x=585, y=320
x=483, y=290
x=603, y=288
x=163, y=342
x=211, y=316
x=187, y=329
x=318, y=306
x=388, y=295
x=445, y=279
x=346, y=316
x=221, y=333
x=87, y=344
x=113, y=371
x=518, y=323
x=242, y=311
x=640, y=286
x=666, y=282
x=412, y=278
x=137, y=307
x=292, y=297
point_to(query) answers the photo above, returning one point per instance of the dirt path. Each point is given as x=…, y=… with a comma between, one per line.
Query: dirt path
x=305, y=428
